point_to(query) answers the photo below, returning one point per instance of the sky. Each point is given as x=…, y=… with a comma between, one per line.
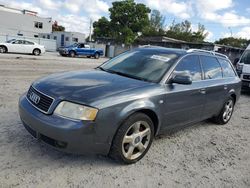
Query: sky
x=222, y=18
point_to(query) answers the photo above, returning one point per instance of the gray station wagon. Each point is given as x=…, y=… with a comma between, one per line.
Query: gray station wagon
x=119, y=107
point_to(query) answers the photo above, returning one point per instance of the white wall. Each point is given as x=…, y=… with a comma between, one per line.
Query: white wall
x=13, y=23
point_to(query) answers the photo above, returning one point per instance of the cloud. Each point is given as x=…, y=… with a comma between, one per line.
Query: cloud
x=179, y=9
x=74, y=23
x=211, y=10
x=49, y=4
x=243, y=33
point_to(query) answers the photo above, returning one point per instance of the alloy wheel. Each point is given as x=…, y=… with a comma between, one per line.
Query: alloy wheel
x=136, y=140
x=228, y=110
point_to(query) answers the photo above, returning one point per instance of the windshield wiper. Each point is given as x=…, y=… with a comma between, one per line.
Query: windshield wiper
x=123, y=74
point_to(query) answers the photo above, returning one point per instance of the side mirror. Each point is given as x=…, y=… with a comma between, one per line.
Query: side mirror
x=182, y=79
x=236, y=61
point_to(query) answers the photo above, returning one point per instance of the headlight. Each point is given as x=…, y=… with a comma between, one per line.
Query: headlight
x=76, y=111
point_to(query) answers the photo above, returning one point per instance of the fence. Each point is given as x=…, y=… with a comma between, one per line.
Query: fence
x=49, y=44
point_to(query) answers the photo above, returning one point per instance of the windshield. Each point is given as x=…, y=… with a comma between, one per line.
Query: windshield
x=73, y=45
x=245, y=57
x=147, y=65
x=9, y=41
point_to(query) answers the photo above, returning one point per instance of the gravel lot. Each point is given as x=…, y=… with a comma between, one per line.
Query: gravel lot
x=205, y=155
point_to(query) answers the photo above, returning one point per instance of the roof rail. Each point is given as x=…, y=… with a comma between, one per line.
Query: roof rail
x=206, y=51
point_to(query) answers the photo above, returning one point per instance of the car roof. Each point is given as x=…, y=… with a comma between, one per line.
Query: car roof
x=182, y=52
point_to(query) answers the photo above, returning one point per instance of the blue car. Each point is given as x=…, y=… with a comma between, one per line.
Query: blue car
x=81, y=49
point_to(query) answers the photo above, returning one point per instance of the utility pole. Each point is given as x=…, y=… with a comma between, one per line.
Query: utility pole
x=231, y=32
x=90, y=30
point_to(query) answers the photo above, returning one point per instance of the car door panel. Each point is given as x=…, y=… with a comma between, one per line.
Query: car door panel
x=182, y=105
x=215, y=85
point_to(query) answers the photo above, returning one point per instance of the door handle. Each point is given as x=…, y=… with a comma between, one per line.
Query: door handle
x=225, y=87
x=202, y=91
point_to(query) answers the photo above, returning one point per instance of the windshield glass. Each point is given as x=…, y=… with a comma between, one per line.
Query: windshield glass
x=73, y=45
x=245, y=57
x=9, y=41
x=147, y=65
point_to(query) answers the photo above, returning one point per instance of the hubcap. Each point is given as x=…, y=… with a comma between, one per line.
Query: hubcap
x=2, y=50
x=228, y=110
x=136, y=140
x=36, y=52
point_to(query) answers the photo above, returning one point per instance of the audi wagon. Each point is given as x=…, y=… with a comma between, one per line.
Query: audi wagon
x=118, y=108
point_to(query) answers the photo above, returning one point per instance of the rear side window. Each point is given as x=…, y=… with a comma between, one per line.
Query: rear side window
x=227, y=68
x=190, y=65
x=211, y=67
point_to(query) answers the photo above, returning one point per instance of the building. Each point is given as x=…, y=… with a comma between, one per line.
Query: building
x=64, y=38
x=17, y=22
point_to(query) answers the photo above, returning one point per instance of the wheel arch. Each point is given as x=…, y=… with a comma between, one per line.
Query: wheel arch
x=146, y=107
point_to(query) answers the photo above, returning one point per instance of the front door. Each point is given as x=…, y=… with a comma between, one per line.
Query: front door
x=184, y=103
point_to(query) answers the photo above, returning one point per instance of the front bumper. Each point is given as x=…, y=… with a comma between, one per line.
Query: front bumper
x=64, y=134
x=63, y=52
x=245, y=84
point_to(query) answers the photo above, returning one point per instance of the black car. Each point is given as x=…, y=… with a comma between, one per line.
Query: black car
x=119, y=107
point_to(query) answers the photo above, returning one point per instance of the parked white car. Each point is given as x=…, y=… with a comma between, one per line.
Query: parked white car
x=243, y=68
x=21, y=46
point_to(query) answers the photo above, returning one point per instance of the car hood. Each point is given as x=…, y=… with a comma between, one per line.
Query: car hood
x=86, y=87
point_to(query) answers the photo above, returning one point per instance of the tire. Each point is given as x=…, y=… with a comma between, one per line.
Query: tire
x=88, y=56
x=36, y=52
x=226, y=112
x=97, y=55
x=133, y=139
x=72, y=54
x=3, y=49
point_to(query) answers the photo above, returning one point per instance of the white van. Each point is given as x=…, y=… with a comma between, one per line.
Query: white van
x=243, y=68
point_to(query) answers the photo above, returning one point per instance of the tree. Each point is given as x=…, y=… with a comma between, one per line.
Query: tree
x=102, y=28
x=128, y=20
x=235, y=42
x=156, y=24
x=56, y=27
x=183, y=31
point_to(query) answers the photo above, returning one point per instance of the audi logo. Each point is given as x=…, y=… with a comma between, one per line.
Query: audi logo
x=34, y=98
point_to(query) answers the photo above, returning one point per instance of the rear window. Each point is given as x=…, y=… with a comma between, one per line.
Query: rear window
x=211, y=67
x=227, y=68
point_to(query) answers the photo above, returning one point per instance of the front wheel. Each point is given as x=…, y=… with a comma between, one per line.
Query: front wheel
x=72, y=54
x=97, y=55
x=36, y=52
x=226, y=112
x=133, y=139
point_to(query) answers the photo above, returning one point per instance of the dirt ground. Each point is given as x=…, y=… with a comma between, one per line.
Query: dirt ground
x=204, y=155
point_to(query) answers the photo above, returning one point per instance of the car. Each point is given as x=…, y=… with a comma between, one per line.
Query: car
x=22, y=46
x=243, y=68
x=118, y=108
x=82, y=49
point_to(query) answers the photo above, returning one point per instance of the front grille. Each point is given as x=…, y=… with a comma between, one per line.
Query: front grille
x=40, y=101
x=247, y=77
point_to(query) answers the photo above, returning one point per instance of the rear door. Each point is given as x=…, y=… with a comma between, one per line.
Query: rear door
x=214, y=84
x=28, y=46
x=184, y=103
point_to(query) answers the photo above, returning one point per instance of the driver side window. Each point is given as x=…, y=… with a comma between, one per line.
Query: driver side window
x=189, y=66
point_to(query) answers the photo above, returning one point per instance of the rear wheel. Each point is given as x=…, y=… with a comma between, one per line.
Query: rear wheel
x=226, y=112
x=133, y=139
x=3, y=49
x=36, y=52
